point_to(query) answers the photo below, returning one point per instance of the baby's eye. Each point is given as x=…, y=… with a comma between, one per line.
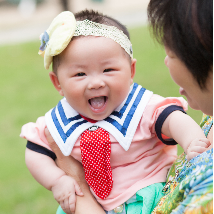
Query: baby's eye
x=80, y=74
x=108, y=70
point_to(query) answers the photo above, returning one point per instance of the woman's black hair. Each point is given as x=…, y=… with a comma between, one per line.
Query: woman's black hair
x=97, y=17
x=186, y=28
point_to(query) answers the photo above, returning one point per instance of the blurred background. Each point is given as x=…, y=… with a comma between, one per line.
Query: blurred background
x=27, y=93
x=24, y=20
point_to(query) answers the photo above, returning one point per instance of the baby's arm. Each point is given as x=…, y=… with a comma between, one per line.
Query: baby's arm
x=186, y=132
x=86, y=204
x=45, y=171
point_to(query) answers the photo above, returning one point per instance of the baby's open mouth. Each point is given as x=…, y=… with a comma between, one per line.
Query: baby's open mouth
x=97, y=102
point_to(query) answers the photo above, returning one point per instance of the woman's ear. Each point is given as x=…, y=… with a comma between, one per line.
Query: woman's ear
x=55, y=81
x=133, y=69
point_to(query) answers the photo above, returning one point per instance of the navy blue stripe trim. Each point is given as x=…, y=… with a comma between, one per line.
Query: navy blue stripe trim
x=131, y=94
x=69, y=132
x=40, y=149
x=62, y=134
x=162, y=117
x=57, y=125
x=123, y=128
x=63, y=116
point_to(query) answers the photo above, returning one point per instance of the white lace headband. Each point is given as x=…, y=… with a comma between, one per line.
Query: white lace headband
x=57, y=37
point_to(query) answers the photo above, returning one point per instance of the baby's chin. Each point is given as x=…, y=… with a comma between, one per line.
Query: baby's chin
x=94, y=117
x=99, y=117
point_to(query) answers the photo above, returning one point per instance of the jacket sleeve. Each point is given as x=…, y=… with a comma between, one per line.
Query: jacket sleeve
x=156, y=113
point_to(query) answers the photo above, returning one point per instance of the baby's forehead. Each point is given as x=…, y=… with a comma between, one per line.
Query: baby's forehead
x=95, y=43
x=90, y=28
x=99, y=44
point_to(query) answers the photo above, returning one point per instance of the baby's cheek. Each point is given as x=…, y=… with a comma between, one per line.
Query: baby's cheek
x=166, y=60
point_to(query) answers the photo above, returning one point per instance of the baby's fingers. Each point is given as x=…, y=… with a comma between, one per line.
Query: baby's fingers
x=205, y=142
x=78, y=189
x=67, y=208
x=62, y=204
x=196, y=150
x=72, y=203
x=202, y=142
x=191, y=155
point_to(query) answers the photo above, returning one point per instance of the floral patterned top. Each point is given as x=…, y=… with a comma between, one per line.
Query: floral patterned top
x=189, y=187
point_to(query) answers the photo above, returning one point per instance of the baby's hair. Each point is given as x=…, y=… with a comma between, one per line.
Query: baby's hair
x=93, y=16
x=186, y=28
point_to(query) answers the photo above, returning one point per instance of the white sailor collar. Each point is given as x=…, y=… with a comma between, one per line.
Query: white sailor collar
x=66, y=125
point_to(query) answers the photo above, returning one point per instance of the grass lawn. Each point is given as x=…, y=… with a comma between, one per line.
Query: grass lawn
x=27, y=93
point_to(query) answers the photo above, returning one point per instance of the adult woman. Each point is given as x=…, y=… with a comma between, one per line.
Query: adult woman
x=185, y=29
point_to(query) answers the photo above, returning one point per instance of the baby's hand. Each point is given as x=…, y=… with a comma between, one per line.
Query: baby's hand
x=64, y=193
x=196, y=147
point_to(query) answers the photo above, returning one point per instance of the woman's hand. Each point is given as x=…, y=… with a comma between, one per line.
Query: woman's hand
x=65, y=162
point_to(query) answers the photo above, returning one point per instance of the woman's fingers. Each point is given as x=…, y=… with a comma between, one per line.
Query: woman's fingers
x=53, y=144
x=65, y=162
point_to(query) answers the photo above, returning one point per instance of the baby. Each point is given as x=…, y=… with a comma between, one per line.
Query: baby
x=113, y=126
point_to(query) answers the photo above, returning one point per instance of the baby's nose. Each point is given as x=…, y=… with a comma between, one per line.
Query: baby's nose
x=96, y=83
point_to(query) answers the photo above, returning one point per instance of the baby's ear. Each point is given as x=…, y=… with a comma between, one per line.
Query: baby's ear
x=56, y=83
x=133, y=69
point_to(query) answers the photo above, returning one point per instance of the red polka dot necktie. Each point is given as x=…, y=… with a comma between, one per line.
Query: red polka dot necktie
x=95, y=151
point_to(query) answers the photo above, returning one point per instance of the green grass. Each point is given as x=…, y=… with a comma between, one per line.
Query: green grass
x=27, y=93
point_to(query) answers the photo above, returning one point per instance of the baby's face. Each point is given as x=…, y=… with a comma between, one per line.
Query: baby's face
x=95, y=75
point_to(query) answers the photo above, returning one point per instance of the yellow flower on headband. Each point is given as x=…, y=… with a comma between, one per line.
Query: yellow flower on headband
x=57, y=36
